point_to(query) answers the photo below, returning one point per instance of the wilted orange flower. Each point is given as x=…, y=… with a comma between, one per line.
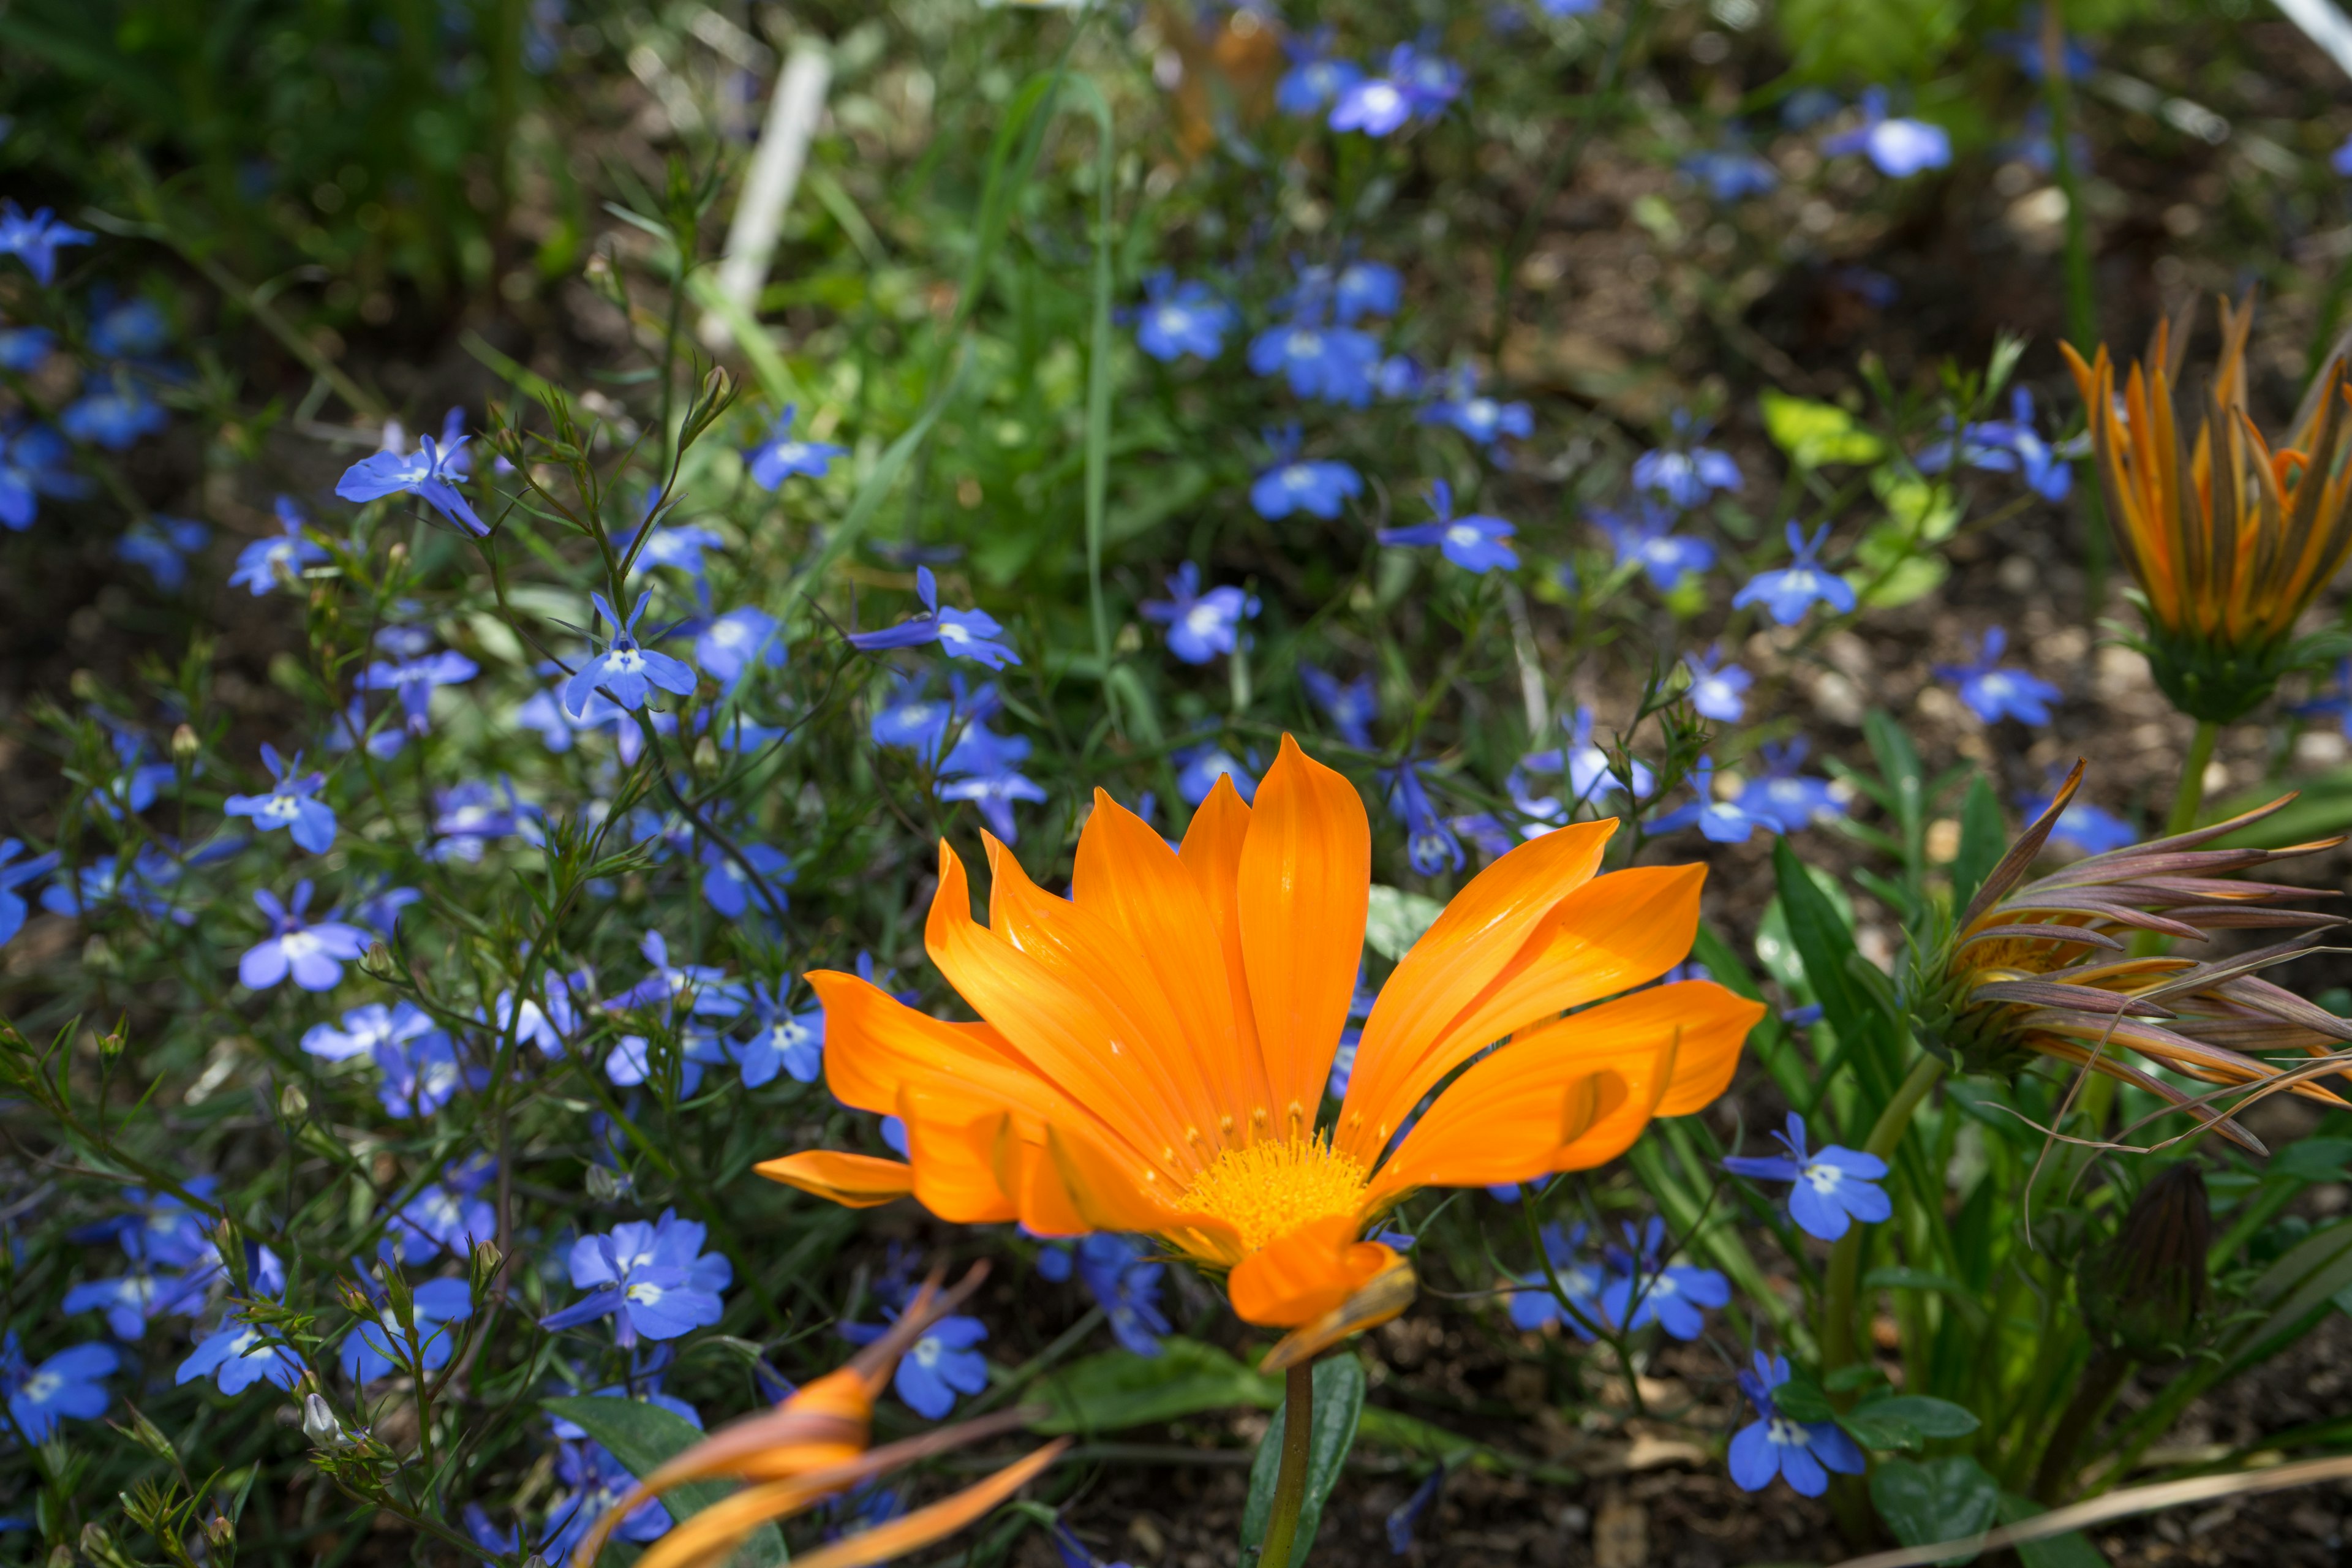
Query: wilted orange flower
x=1153, y=1051
x=2231, y=541
x=813, y=1446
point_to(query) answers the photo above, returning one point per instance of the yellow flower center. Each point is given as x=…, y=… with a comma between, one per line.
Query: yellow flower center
x=1269, y=1189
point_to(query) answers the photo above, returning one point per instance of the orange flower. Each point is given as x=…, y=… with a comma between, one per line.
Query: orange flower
x=813, y=1446
x=1154, y=1049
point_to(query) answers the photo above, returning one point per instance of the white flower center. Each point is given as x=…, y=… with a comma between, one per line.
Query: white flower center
x=1823, y=1179
x=625, y=661
x=1787, y=1433
x=281, y=808
x=41, y=1387
x=297, y=945
x=1463, y=536
x=1202, y=620
x=1381, y=97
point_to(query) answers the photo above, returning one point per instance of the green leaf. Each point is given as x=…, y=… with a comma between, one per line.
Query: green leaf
x=1897, y=1279
x=1867, y=40
x=2314, y=1159
x=1802, y=1398
x=1397, y=920
x=1984, y=838
x=1916, y=1413
x=1118, y=1389
x=644, y=1437
x=1825, y=941
x=1814, y=433
x=2295, y=1291
x=1925, y=1501
x=1888, y=586
x=2071, y=1550
x=1338, y=1405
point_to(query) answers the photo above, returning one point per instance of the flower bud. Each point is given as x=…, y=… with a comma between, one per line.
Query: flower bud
x=606, y=1185
x=482, y=1267
x=2142, y=1292
x=293, y=1103
x=148, y=1435
x=184, y=744
x=378, y=963
x=221, y=1532
x=320, y=1422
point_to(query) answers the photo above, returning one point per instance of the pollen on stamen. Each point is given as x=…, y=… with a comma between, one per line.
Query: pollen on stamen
x=1271, y=1188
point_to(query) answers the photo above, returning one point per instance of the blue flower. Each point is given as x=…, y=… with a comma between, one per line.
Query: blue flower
x=1580, y=1280
x=241, y=1352
x=1832, y=1188
x=431, y=473
x=362, y=1029
x=443, y=1217
x=114, y=417
x=1801, y=1452
x=1200, y=625
x=289, y=805
x=1732, y=172
x=1417, y=85
x=681, y=548
x=547, y=1026
x=64, y=1386
x=1993, y=694
x=161, y=548
x=1292, y=484
x=2341, y=159
x=1330, y=362
x=597, y=1483
x=1481, y=418
x=421, y=1073
x=32, y=465
x=738, y=642
x=1645, y=536
x=1117, y=1272
x=1316, y=78
x=1686, y=477
x=2091, y=828
x=656, y=1278
x=160, y=1230
x=1179, y=319
x=1645, y=1290
x=127, y=329
x=1475, y=543
x=1351, y=708
x=1366, y=288
x=139, y=880
x=314, y=955
x=779, y=456
x=1784, y=796
x=1591, y=773
x=266, y=563
x=1373, y=105
x=780, y=1039
x=626, y=670
x=631, y=1062
x=14, y=874
x=2010, y=446
x=1198, y=769
x=1722, y=821
x=1405, y=1518
x=1717, y=691
x=379, y=1347
x=938, y=1367
x=994, y=792
x=1787, y=591
x=728, y=887
x=914, y=720
x=960, y=634
x=1899, y=148
x=35, y=240
x=25, y=349
x=1485, y=832
x=130, y=1299
x=705, y=991
x=1430, y=844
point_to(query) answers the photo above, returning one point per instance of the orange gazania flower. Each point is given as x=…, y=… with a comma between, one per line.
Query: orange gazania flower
x=1153, y=1051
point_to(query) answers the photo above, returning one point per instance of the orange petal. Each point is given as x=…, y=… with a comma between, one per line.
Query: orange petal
x=1545, y=1103
x=1614, y=933
x=1110, y=1192
x=1305, y=885
x=1211, y=857
x=1384, y=1296
x=876, y=1047
x=1299, y=1276
x=926, y=1525
x=854, y=1181
x=956, y=1165
x=1480, y=931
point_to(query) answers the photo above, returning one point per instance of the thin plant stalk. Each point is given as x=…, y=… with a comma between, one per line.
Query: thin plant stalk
x=1290, y=1481
x=1839, y=1343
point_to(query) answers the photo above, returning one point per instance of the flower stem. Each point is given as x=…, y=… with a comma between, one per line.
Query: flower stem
x=2190, y=795
x=1839, y=1343
x=2092, y=1394
x=1290, y=1481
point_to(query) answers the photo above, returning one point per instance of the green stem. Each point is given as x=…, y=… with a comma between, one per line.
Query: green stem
x=1838, y=1340
x=2191, y=794
x=2101, y=1379
x=1290, y=1481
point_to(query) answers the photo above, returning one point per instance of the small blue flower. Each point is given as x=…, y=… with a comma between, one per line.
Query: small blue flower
x=1333, y=364
x=626, y=672
x=362, y=1029
x=266, y=563
x=1475, y=543
x=1351, y=708
x=1644, y=1289
x=1319, y=489
x=2010, y=446
x=705, y=991
x=938, y=1367
x=1731, y=172
x=443, y=1218
x=679, y=548
x=1117, y=1271
x=127, y=329
x=1993, y=694
x=1899, y=148
x=26, y=349
x=1787, y=591
x=780, y=1039
x=160, y=1230
x=779, y=456
x=64, y=1387
x=130, y=1299
x=14, y=874
x=1722, y=821
x=2341, y=159
x=1198, y=769
x=1832, y=1188
x=113, y=416
x=1645, y=537
x=728, y=887
x=738, y=642
x=431, y=473
x=313, y=954
x=290, y=803
x=1316, y=78
x=161, y=547
x=421, y=1073
x=1786, y=798
x=379, y=1347
x=1200, y=625
x=241, y=1352
x=1180, y=319
x=33, y=461
x=35, y=240
x=1685, y=477
x=1430, y=844
x=2092, y=829
x=960, y=634
x=1580, y=1280
x=655, y=1279
x=1366, y=288
x=1717, y=691
x=1481, y=418
x=1801, y=1452
x=994, y=792
x=1373, y=105
x=1405, y=1518
x=597, y=1483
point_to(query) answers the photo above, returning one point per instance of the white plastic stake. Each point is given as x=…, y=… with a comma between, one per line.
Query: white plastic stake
x=793, y=111
x=2324, y=25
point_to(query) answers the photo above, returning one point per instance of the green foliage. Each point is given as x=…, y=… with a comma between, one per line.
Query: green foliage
x=1339, y=1406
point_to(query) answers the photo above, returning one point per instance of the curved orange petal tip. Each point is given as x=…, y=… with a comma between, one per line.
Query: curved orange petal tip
x=926, y=1525
x=1305, y=1273
x=854, y=1181
x=1384, y=1296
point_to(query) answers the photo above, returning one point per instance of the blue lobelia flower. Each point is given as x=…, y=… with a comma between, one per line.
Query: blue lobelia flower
x=1731, y=172
x=1993, y=693
x=1481, y=418
x=913, y=719
x=1316, y=78
x=422, y=1074
x=290, y=803
x=113, y=416
x=632, y=1061
x=782, y=1040
x=679, y=548
x=138, y=881
x=654, y=1280
x=160, y=1230
x=1198, y=769
x=1375, y=105
x=1405, y=1518
x=1180, y=319
x=1722, y=821
x=35, y=240
x=1833, y=1187
x=362, y=1029
x=1644, y=536
x=779, y=456
x=1351, y=708
x=1319, y=489
x=1686, y=476
x=1591, y=772
x=1787, y=591
x=2340, y=161
x=127, y=329
x=1117, y=1271
x=242, y=1351
x=1645, y=1289
x=697, y=990
x=1431, y=81
x=266, y=563
x=64, y=1386
x=2092, y=829
x=379, y=1347
x=1786, y=797
x=33, y=461
x=728, y=887
x=960, y=634
x=738, y=642
x=1899, y=148
x=313, y=954
x=596, y=1482
x=432, y=474
x=1717, y=691
x=130, y=1299
x=1200, y=625
x=1485, y=832
x=1366, y=288
x=14, y=874
x=626, y=670
x=2010, y=446
x=161, y=547
x=1333, y=364
x=25, y=349
x=1800, y=1452
x=445, y=1217
x=993, y=793
x=415, y=680
x=1580, y=1280
x=938, y=1367
x=1429, y=844
x=1475, y=543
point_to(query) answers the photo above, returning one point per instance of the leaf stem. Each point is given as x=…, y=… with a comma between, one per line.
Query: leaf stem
x=1840, y=1344
x=1290, y=1481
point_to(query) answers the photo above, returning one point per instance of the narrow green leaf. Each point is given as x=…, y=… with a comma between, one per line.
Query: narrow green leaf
x=1339, y=1406
x=1928, y=1417
x=1118, y=1389
x=1983, y=837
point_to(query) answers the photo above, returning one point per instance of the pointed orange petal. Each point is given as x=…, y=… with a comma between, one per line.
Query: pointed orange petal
x=876, y=1046
x=1384, y=1296
x=1304, y=884
x=854, y=1181
x=1211, y=857
x=955, y=1165
x=926, y=1525
x=1480, y=933
x=1111, y=1192
x=1299, y=1277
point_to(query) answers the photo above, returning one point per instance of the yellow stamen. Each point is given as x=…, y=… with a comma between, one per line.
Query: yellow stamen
x=1270, y=1189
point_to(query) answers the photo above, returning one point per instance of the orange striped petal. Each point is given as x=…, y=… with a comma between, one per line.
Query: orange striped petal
x=1111, y=1192
x=854, y=1181
x=876, y=1047
x=956, y=1165
x=1384, y=1296
x=1300, y=1276
x=926, y=1525
x=1211, y=857
x=1305, y=887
